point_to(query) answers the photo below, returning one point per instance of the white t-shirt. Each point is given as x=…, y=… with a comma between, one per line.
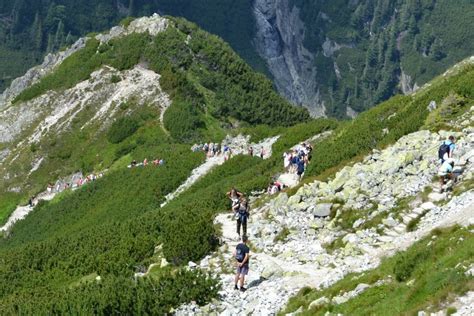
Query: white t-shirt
x=445, y=169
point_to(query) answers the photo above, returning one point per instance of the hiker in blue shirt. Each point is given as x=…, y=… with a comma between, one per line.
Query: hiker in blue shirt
x=446, y=149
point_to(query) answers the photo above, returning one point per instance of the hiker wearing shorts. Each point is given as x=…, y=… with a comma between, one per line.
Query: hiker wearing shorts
x=241, y=255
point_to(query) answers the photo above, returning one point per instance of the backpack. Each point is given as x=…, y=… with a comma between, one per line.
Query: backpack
x=239, y=254
x=443, y=149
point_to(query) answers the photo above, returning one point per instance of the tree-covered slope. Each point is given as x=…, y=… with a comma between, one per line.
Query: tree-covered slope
x=345, y=56
x=105, y=100
x=145, y=90
x=86, y=251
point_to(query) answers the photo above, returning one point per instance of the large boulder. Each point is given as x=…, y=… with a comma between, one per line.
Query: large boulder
x=271, y=269
x=322, y=210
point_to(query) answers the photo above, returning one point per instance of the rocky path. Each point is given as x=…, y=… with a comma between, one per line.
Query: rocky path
x=239, y=145
x=289, y=236
x=22, y=211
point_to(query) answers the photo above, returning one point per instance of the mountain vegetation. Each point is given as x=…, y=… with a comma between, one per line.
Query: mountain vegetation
x=379, y=43
x=383, y=39
x=83, y=252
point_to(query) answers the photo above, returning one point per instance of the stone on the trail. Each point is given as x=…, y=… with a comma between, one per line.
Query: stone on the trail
x=322, y=210
x=289, y=179
x=358, y=223
x=319, y=302
x=192, y=265
x=361, y=288
x=437, y=197
x=390, y=222
x=271, y=269
x=427, y=206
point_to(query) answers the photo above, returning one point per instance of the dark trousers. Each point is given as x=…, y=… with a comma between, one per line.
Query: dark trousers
x=242, y=221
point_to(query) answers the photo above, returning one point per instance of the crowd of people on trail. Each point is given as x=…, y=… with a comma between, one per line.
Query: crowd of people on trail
x=297, y=161
x=446, y=170
x=154, y=162
x=213, y=150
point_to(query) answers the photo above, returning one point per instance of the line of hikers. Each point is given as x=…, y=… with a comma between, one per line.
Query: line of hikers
x=297, y=161
x=154, y=162
x=292, y=162
x=240, y=208
x=213, y=150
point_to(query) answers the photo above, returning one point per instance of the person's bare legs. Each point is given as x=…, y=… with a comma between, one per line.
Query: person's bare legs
x=242, y=280
x=237, y=277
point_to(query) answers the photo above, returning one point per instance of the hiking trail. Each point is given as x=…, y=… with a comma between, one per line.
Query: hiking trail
x=288, y=236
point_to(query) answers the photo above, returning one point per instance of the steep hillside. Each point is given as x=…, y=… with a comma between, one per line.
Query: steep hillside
x=373, y=235
x=155, y=82
x=70, y=127
x=156, y=238
x=337, y=58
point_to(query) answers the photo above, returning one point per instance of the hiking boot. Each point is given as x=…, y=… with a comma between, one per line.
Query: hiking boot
x=243, y=289
x=236, y=287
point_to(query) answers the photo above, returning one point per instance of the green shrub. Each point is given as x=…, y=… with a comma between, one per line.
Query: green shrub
x=406, y=263
x=182, y=120
x=122, y=128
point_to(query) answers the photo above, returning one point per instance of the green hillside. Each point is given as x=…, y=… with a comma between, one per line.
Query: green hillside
x=79, y=253
x=376, y=39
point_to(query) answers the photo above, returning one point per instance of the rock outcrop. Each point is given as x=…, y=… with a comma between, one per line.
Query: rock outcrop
x=279, y=40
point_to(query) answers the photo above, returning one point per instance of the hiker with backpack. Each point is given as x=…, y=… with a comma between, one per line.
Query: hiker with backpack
x=241, y=212
x=242, y=255
x=445, y=173
x=446, y=149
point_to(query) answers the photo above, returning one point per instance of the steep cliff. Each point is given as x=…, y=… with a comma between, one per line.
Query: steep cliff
x=339, y=58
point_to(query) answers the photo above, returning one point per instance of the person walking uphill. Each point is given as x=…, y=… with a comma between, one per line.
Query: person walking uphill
x=242, y=255
x=446, y=149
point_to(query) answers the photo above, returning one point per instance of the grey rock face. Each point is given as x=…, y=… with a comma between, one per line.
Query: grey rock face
x=279, y=40
x=322, y=210
x=38, y=72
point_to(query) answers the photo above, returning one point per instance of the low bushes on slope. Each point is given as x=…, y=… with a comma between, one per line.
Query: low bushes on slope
x=188, y=59
x=386, y=123
x=420, y=278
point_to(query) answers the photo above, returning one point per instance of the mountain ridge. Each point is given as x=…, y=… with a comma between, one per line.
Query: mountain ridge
x=113, y=246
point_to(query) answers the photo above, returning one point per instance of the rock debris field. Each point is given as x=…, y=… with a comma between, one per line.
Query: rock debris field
x=289, y=234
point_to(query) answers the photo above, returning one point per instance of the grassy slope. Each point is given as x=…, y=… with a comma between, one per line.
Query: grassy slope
x=401, y=115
